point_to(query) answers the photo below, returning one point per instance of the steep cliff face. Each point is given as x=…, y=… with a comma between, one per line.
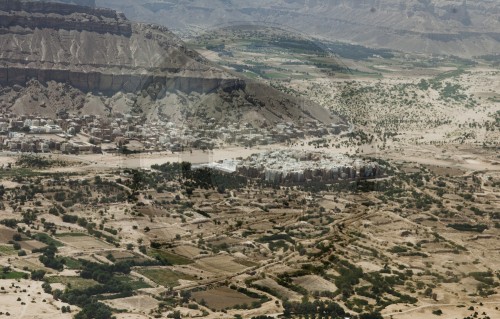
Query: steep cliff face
x=456, y=27
x=86, y=3
x=111, y=83
x=97, y=54
x=49, y=20
x=96, y=50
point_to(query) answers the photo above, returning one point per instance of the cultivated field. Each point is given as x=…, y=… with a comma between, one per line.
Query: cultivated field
x=83, y=242
x=164, y=276
x=222, y=298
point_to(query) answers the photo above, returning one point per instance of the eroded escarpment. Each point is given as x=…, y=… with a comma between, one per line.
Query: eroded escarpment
x=110, y=83
x=96, y=49
x=101, y=54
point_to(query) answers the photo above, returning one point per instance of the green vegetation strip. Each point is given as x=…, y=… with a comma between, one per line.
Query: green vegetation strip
x=168, y=258
x=132, y=282
x=46, y=239
x=72, y=235
x=7, y=274
x=164, y=277
x=7, y=250
x=72, y=282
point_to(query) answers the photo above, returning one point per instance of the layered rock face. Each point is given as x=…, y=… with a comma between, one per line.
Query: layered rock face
x=98, y=55
x=111, y=83
x=97, y=50
x=55, y=15
x=87, y=3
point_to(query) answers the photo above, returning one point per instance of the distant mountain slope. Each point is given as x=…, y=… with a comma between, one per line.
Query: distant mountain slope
x=93, y=49
x=456, y=27
x=99, y=52
x=87, y=3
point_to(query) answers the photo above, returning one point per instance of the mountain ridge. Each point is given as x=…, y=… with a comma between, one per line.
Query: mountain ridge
x=99, y=52
x=423, y=26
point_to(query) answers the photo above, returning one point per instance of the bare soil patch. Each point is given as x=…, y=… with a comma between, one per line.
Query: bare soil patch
x=83, y=242
x=6, y=234
x=187, y=251
x=315, y=283
x=220, y=264
x=134, y=303
x=31, y=244
x=32, y=303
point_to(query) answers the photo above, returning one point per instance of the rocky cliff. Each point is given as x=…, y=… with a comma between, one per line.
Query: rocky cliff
x=96, y=50
x=99, y=52
x=110, y=83
x=87, y=3
x=47, y=15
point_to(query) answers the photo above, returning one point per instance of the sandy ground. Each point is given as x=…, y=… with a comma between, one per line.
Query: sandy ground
x=131, y=316
x=137, y=304
x=84, y=242
x=450, y=311
x=38, y=305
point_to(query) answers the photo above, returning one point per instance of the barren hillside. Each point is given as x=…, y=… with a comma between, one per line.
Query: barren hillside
x=465, y=28
x=92, y=51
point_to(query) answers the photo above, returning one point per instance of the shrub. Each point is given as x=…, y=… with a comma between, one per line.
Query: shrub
x=437, y=312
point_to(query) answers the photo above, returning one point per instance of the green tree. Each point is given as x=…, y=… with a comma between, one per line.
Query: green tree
x=37, y=274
